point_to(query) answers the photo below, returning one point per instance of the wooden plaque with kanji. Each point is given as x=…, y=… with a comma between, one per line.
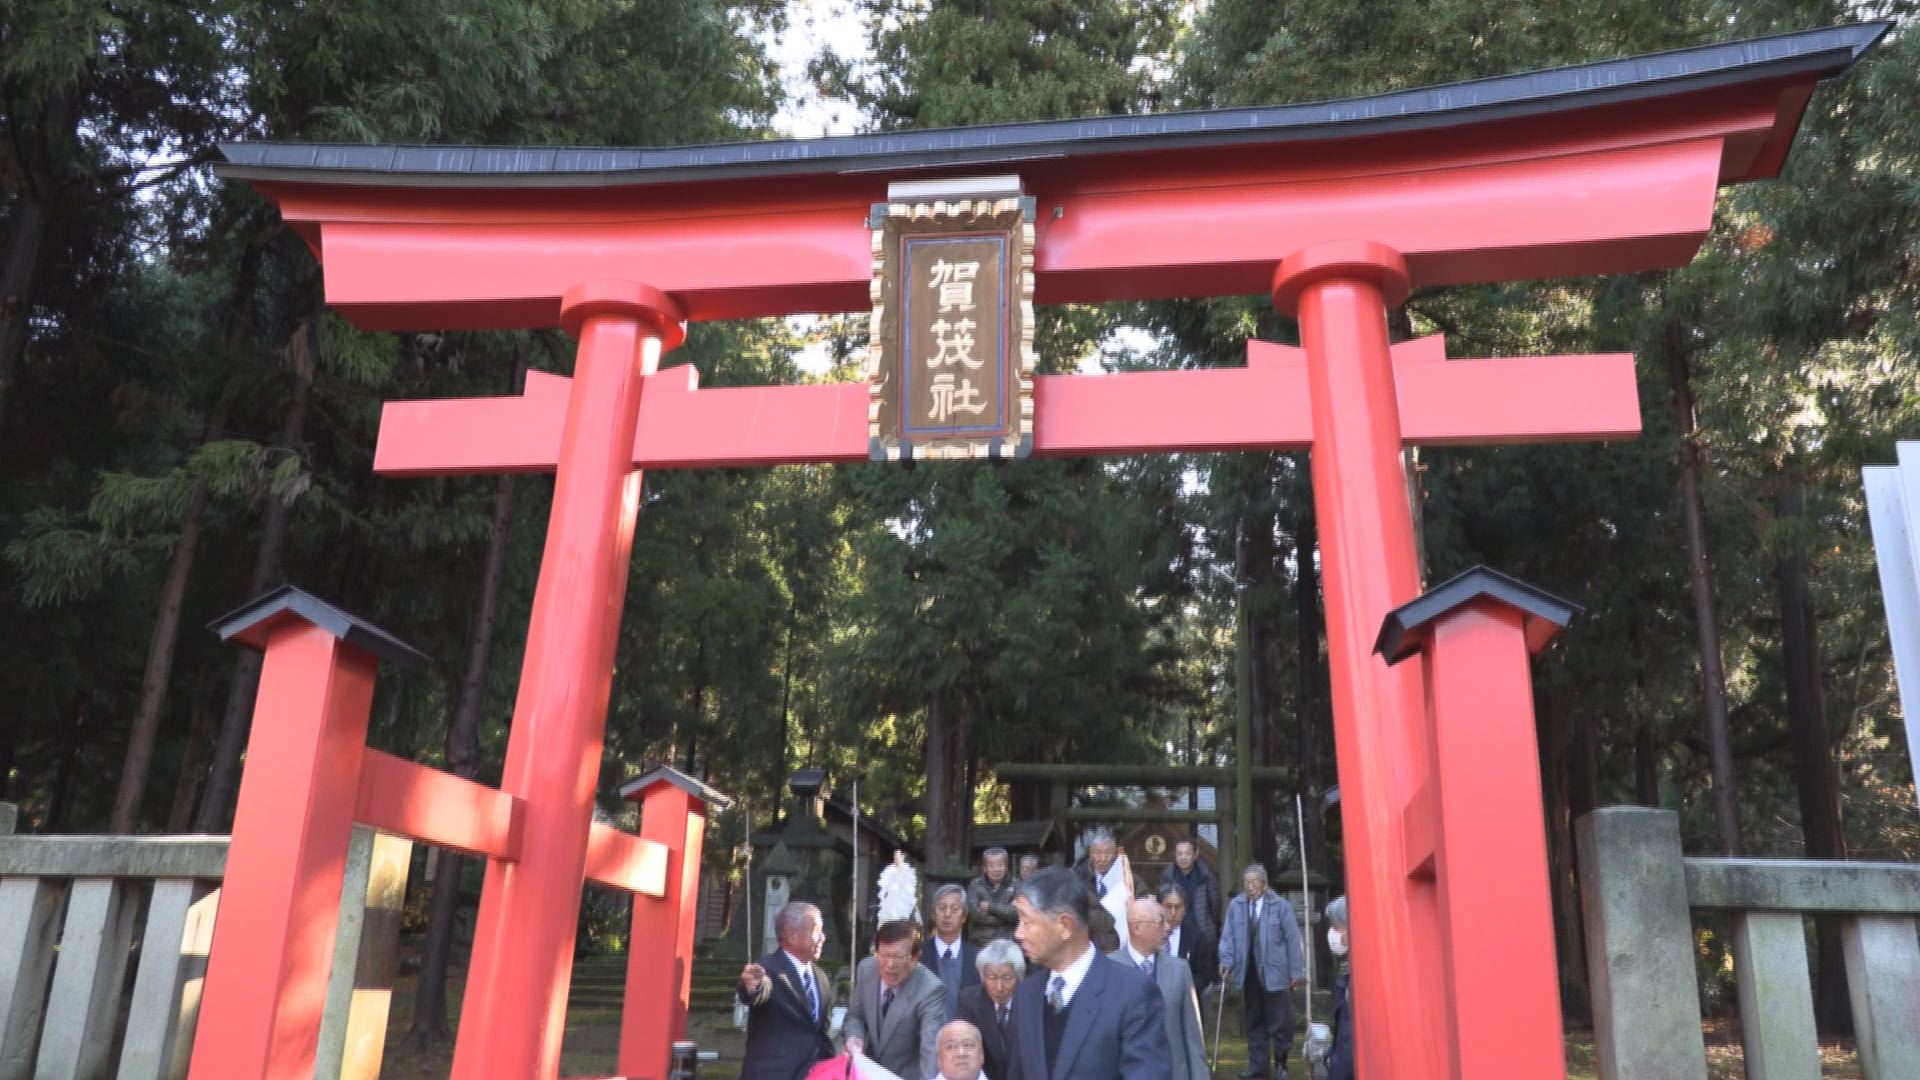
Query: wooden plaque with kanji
x=951, y=359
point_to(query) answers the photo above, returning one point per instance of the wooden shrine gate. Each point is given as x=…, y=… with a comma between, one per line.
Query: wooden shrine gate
x=1336, y=209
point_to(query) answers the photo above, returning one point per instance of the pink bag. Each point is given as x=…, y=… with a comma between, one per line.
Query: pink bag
x=850, y=1067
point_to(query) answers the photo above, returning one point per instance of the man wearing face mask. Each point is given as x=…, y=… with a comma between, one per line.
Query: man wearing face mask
x=1340, y=1058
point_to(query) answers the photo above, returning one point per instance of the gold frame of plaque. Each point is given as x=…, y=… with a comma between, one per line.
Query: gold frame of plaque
x=950, y=356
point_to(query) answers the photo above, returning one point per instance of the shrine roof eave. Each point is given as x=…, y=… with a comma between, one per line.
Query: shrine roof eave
x=1805, y=55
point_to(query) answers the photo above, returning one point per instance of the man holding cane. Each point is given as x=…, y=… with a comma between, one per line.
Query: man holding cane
x=1260, y=953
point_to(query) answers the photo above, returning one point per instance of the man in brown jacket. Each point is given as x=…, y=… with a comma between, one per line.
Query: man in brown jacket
x=990, y=911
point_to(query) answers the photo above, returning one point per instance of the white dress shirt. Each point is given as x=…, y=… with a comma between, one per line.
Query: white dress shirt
x=1075, y=972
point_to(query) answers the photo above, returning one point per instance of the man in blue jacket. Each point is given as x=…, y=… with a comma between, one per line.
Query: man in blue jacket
x=1260, y=953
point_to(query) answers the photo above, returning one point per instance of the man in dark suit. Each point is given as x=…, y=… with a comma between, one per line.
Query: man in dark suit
x=989, y=1006
x=788, y=1000
x=947, y=952
x=1081, y=1015
x=1185, y=938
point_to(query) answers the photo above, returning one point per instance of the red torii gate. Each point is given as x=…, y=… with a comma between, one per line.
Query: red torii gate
x=1335, y=208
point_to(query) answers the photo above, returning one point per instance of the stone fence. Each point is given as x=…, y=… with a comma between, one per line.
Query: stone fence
x=1640, y=893
x=78, y=913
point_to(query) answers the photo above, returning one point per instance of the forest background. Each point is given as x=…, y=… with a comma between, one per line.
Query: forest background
x=183, y=425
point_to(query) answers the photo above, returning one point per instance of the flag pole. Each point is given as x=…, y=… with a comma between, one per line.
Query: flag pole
x=853, y=917
x=1306, y=900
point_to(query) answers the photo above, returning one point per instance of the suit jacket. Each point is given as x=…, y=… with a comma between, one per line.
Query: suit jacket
x=1101, y=928
x=907, y=1041
x=1116, y=1028
x=1281, y=961
x=1198, y=951
x=783, y=1040
x=969, y=973
x=1185, y=1041
x=976, y=1008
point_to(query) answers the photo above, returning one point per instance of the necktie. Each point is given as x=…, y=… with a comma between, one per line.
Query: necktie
x=1057, y=992
x=1253, y=940
x=950, y=977
x=1101, y=884
x=1000, y=1015
x=886, y=1001
x=1146, y=967
x=813, y=993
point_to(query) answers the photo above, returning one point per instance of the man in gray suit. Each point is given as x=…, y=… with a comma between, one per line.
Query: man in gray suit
x=898, y=1006
x=1260, y=954
x=1146, y=949
x=1081, y=1015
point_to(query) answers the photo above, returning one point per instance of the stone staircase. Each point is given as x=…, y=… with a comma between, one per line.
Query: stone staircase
x=599, y=983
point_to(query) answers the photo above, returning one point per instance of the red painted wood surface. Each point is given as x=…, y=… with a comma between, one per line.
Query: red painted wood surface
x=272, y=949
x=1611, y=188
x=624, y=861
x=1260, y=406
x=411, y=800
x=660, y=951
x=1620, y=188
x=516, y=995
x=1368, y=563
x=1490, y=871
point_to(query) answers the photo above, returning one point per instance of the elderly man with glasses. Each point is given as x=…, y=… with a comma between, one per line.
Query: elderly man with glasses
x=988, y=1005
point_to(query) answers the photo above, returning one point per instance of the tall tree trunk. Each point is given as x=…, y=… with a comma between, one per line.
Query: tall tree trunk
x=946, y=781
x=159, y=668
x=18, y=269
x=1261, y=558
x=1814, y=773
x=166, y=624
x=43, y=150
x=223, y=780
x=1557, y=740
x=199, y=726
x=1713, y=678
x=430, y=1024
x=1313, y=729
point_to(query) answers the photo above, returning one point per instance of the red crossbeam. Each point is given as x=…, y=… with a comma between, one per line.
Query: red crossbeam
x=1262, y=406
x=625, y=861
x=411, y=800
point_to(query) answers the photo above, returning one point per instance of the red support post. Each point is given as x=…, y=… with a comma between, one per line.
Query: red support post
x=1341, y=292
x=1480, y=811
x=516, y=997
x=660, y=947
x=273, y=943
x=1503, y=988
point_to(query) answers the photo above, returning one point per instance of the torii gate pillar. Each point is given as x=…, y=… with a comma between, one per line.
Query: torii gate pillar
x=1340, y=292
x=516, y=996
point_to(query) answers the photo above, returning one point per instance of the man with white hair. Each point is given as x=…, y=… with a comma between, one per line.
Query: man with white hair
x=988, y=1005
x=1260, y=953
x=788, y=1000
x=960, y=1052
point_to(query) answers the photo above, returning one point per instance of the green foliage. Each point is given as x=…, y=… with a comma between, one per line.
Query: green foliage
x=809, y=615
